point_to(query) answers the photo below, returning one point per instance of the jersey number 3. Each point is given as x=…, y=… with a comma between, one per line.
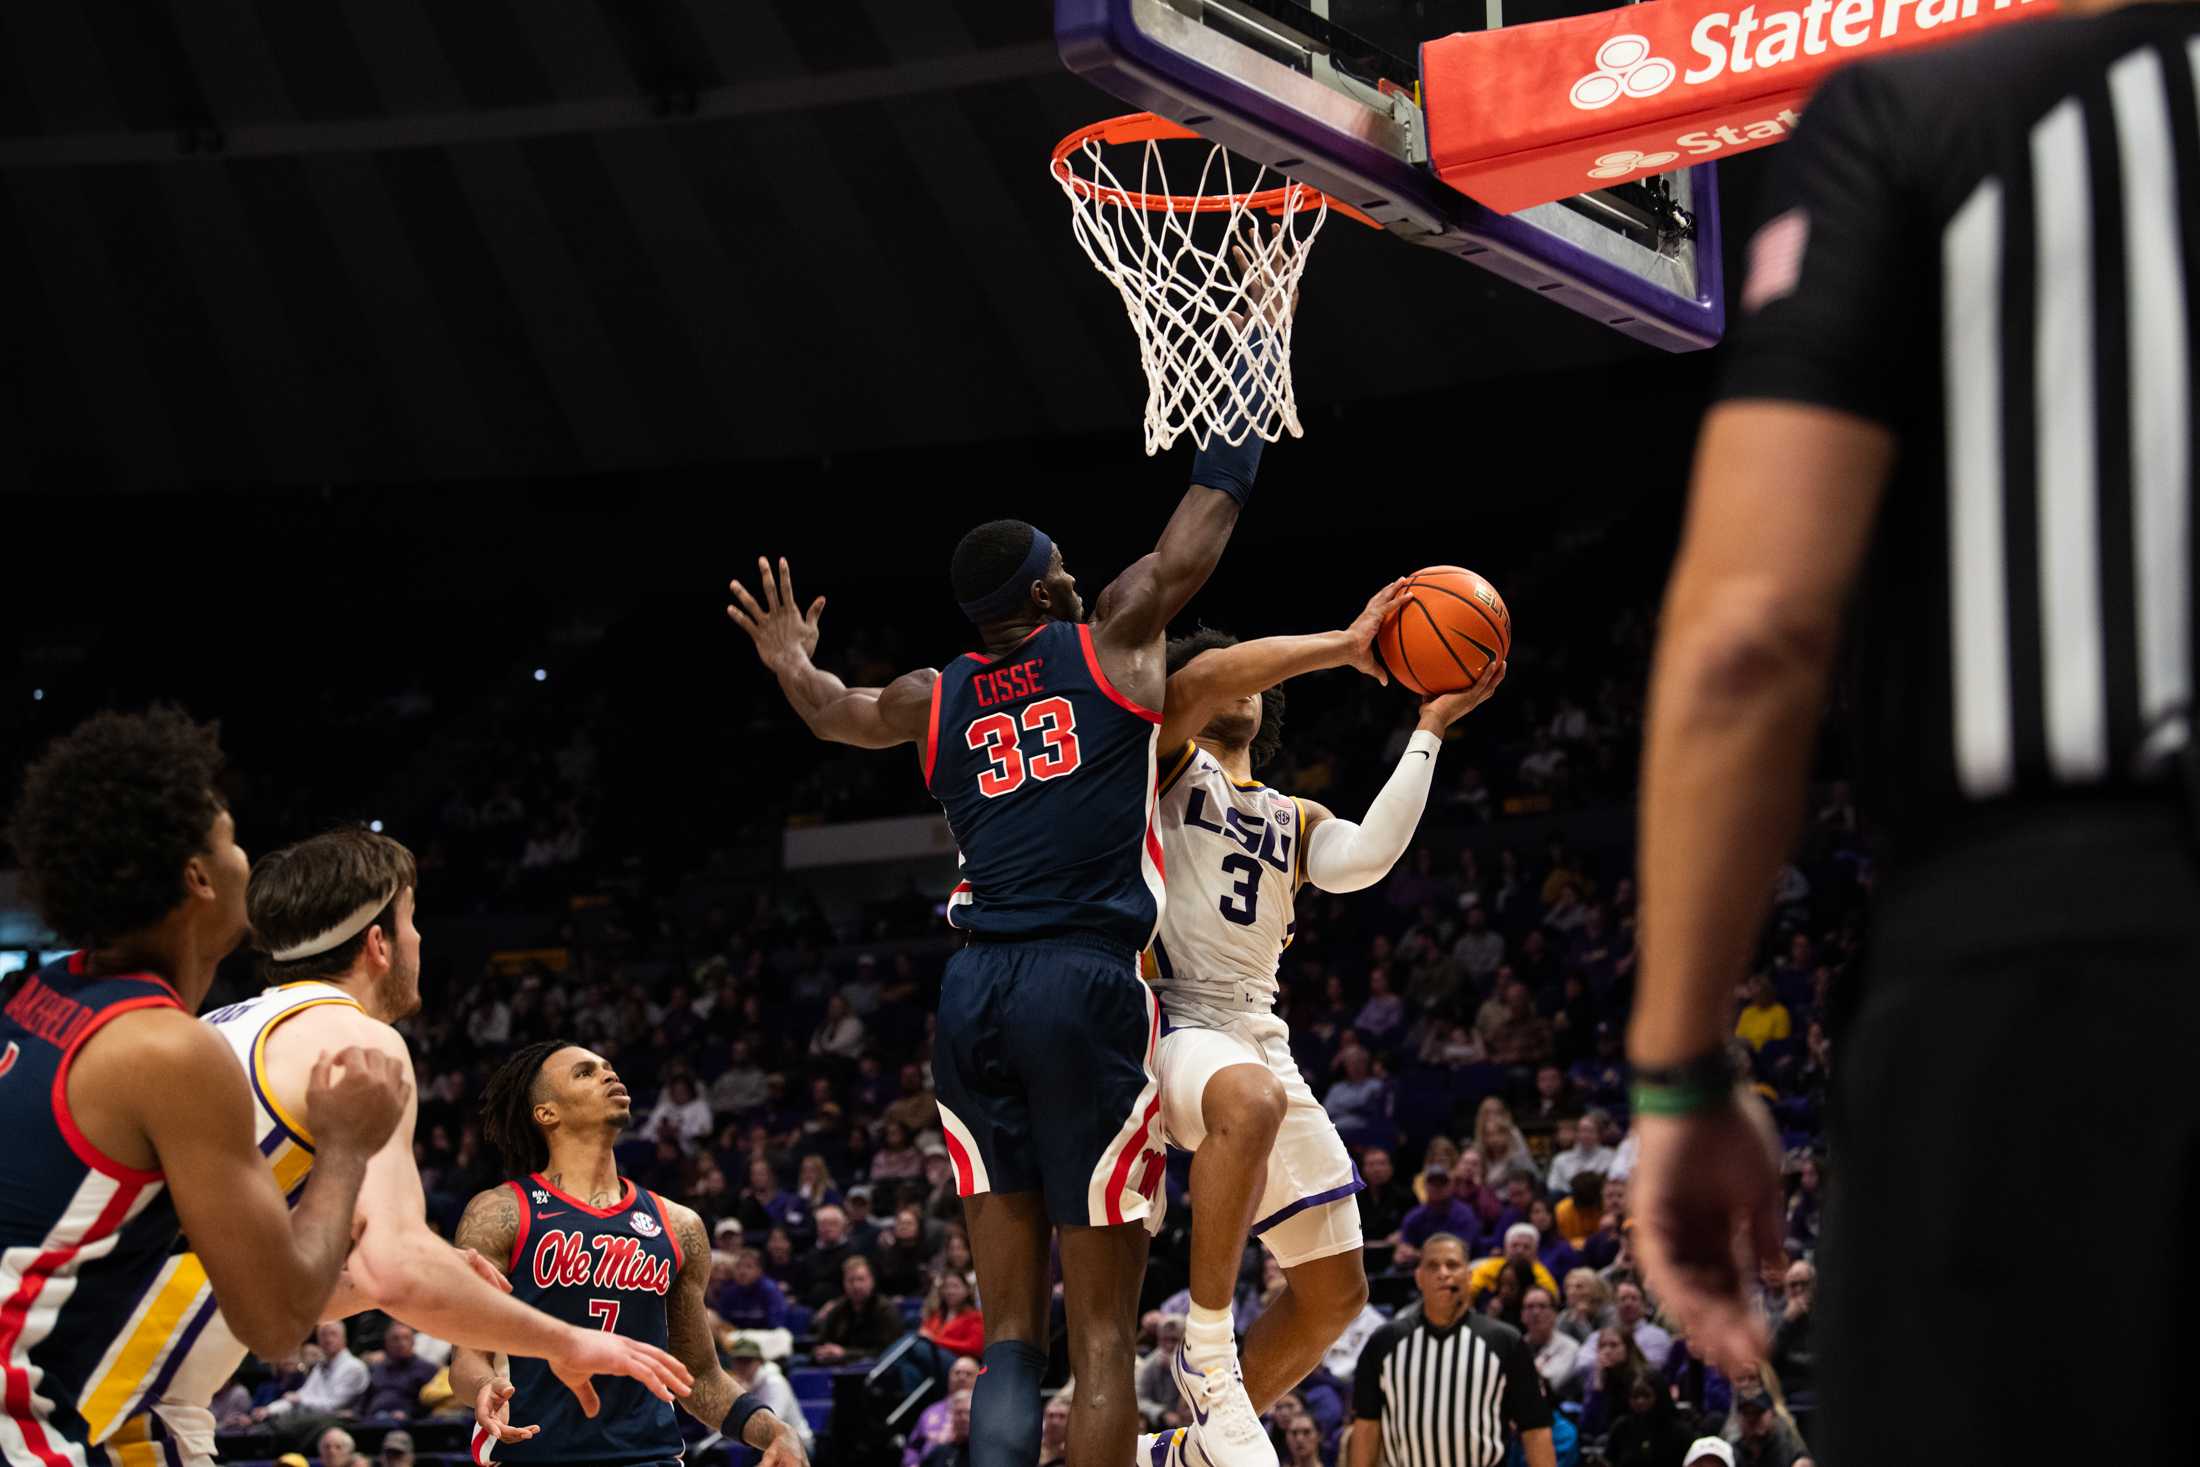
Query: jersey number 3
x=995, y=736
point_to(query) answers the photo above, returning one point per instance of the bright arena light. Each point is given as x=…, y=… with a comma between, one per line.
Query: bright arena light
x=542, y=674
x=38, y=695
x=375, y=826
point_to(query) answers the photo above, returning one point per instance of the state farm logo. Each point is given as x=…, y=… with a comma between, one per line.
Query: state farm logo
x=1619, y=165
x=1625, y=68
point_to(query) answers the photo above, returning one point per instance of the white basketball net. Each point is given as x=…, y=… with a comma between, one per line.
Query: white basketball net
x=1215, y=342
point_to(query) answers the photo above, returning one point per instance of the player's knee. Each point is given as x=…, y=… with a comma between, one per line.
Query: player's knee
x=1244, y=1101
x=1335, y=1296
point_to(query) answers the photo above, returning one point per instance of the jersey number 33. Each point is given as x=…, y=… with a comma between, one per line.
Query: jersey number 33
x=999, y=736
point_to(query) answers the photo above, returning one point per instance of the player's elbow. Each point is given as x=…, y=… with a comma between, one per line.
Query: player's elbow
x=273, y=1314
x=1737, y=644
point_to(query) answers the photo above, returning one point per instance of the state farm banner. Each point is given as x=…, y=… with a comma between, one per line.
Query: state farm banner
x=1532, y=113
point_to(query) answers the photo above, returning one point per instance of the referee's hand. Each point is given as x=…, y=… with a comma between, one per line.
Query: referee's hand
x=1706, y=1203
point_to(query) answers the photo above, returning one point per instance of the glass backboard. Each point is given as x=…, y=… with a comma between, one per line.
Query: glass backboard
x=1328, y=91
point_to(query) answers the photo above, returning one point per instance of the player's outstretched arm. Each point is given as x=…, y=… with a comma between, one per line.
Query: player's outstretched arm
x=1139, y=604
x=1214, y=680
x=273, y=1268
x=718, y=1401
x=786, y=639
x=1342, y=855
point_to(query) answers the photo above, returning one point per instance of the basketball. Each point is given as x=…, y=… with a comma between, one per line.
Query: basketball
x=1451, y=625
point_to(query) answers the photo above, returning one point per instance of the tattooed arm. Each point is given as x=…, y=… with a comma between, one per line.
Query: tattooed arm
x=715, y=1401
x=489, y=1228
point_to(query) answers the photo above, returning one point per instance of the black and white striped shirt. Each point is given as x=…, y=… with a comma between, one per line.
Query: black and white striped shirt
x=1447, y=1397
x=1990, y=248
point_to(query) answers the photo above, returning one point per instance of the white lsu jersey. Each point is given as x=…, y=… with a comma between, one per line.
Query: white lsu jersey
x=179, y=1350
x=1234, y=857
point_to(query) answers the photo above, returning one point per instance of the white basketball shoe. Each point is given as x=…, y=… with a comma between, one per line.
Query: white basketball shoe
x=1225, y=1430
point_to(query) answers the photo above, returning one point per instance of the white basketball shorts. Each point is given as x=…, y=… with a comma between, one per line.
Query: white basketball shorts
x=1308, y=1209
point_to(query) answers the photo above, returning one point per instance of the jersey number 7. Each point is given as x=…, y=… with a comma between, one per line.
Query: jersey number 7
x=995, y=736
x=606, y=1313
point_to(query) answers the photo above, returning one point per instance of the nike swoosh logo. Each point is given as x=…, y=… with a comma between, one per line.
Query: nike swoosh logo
x=549, y=1212
x=1422, y=752
x=1184, y=1363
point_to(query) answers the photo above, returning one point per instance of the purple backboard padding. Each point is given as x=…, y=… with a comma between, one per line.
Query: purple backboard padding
x=1099, y=41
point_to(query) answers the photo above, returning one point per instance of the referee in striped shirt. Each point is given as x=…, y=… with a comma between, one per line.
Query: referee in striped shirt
x=1960, y=395
x=1440, y=1386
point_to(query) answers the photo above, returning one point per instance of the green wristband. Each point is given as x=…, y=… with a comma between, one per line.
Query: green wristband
x=1704, y=1083
x=1678, y=1100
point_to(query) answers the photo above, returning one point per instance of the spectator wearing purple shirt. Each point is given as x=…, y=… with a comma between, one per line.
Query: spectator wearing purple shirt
x=394, y=1381
x=763, y=1203
x=749, y=1300
x=1442, y=1213
x=1359, y=1104
x=1383, y=1017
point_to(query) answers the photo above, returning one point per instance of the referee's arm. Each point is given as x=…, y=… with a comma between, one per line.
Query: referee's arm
x=1364, y=1447
x=1526, y=1411
x=1789, y=474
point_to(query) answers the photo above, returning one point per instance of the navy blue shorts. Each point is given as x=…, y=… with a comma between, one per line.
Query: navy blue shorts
x=1044, y=1068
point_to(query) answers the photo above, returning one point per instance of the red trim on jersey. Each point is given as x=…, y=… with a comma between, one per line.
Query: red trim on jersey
x=1027, y=636
x=1092, y=663
x=1136, y=1146
x=932, y=732
x=526, y=1221
x=81, y=1144
x=478, y=1449
x=672, y=1234
x=76, y=970
x=625, y=1201
x=961, y=1158
x=17, y=1388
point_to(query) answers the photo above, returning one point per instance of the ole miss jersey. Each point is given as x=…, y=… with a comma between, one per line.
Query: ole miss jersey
x=83, y=1238
x=606, y=1268
x=1046, y=773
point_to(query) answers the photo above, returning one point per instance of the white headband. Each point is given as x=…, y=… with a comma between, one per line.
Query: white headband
x=337, y=936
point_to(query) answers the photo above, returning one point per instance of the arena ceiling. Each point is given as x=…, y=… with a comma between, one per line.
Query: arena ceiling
x=395, y=241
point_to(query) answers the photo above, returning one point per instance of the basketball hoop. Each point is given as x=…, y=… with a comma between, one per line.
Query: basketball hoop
x=1209, y=294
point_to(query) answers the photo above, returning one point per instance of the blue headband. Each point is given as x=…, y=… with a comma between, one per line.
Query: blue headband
x=1013, y=594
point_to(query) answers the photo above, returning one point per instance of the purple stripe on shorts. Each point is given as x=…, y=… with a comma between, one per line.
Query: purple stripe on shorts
x=1334, y=1194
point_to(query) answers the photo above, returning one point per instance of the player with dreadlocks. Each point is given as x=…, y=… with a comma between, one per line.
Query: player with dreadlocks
x=580, y=1242
x=1266, y=1158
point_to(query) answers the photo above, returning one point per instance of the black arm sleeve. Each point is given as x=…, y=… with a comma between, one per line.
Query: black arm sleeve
x=1367, y=1376
x=1838, y=280
x=1525, y=1407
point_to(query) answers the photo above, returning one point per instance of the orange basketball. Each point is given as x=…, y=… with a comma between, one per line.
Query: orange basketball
x=1451, y=626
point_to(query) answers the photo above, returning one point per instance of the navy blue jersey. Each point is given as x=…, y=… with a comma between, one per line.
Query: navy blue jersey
x=83, y=1238
x=1047, y=776
x=606, y=1268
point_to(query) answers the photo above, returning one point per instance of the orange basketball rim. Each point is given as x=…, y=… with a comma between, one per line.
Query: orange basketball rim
x=1151, y=127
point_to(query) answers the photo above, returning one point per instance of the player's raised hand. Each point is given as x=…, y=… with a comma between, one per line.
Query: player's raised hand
x=593, y=1353
x=493, y=1412
x=1257, y=256
x=1362, y=632
x=355, y=1099
x=1440, y=711
x=782, y=634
